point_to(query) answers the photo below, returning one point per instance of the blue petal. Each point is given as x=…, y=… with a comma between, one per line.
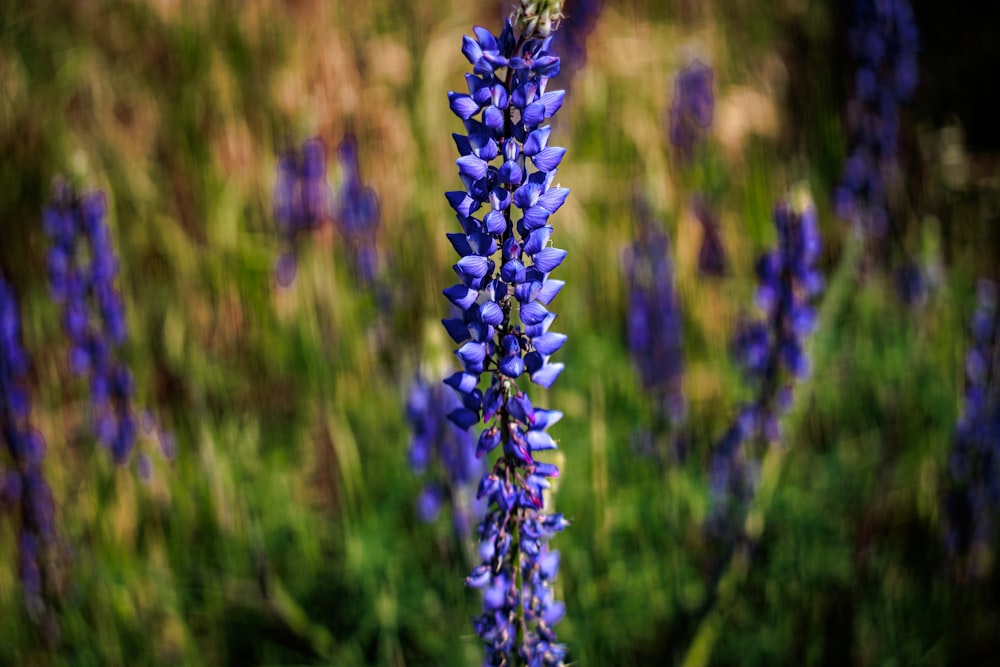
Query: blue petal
x=495, y=222
x=535, y=217
x=463, y=418
x=462, y=382
x=461, y=296
x=549, y=343
x=473, y=167
x=548, y=259
x=460, y=242
x=547, y=374
x=513, y=271
x=533, y=114
x=512, y=366
x=539, y=440
x=553, y=199
x=549, y=290
x=491, y=313
x=493, y=119
x=537, y=141
x=549, y=158
x=462, y=105
x=533, y=313
x=552, y=101
x=463, y=204
x=546, y=418
x=536, y=240
x=457, y=329
x=471, y=49
x=488, y=441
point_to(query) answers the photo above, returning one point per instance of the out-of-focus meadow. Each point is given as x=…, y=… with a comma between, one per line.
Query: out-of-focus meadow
x=284, y=530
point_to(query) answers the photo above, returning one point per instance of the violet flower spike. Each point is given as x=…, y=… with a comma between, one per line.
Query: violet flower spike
x=507, y=167
x=655, y=323
x=692, y=108
x=82, y=267
x=357, y=213
x=23, y=485
x=771, y=353
x=302, y=201
x=884, y=43
x=973, y=502
x=445, y=453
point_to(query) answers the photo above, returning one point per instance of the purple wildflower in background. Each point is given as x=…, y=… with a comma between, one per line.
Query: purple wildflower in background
x=712, y=259
x=692, y=108
x=570, y=41
x=772, y=356
x=357, y=213
x=303, y=200
x=82, y=271
x=508, y=168
x=655, y=324
x=438, y=443
x=884, y=43
x=23, y=485
x=974, y=499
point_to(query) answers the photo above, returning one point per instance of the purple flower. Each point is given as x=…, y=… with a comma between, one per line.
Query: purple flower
x=82, y=269
x=357, y=213
x=445, y=452
x=771, y=354
x=23, y=485
x=655, y=323
x=884, y=44
x=692, y=108
x=508, y=167
x=974, y=498
x=302, y=199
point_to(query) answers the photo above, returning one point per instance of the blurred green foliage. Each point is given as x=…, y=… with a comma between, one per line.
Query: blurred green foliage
x=284, y=531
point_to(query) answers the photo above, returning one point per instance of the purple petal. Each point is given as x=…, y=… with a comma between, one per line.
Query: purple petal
x=548, y=259
x=549, y=159
x=549, y=343
x=547, y=374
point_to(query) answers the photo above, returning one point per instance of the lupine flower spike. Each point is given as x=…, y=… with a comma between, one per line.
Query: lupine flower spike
x=439, y=443
x=772, y=356
x=82, y=270
x=884, y=43
x=508, y=169
x=302, y=200
x=692, y=108
x=357, y=213
x=974, y=500
x=23, y=485
x=655, y=326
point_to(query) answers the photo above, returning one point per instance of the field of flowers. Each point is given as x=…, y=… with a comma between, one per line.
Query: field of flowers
x=768, y=350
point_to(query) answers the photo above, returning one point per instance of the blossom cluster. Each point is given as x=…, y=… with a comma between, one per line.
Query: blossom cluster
x=23, y=486
x=82, y=267
x=974, y=500
x=655, y=324
x=507, y=165
x=771, y=354
x=884, y=43
x=357, y=213
x=303, y=200
x=692, y=108
x=436, y=439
